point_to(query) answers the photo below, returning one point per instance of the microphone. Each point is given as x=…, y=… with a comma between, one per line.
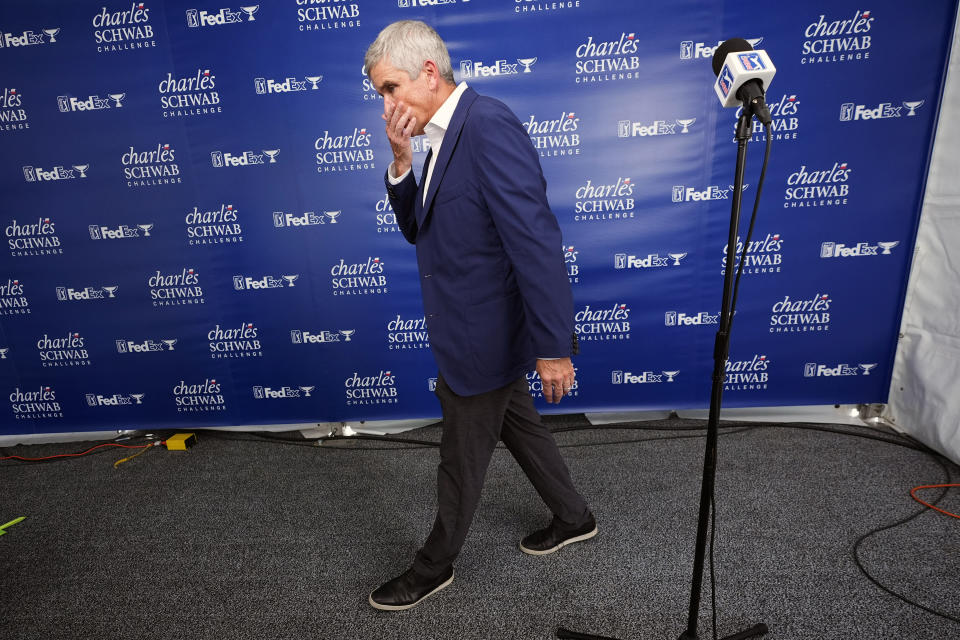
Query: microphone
x=743, y=74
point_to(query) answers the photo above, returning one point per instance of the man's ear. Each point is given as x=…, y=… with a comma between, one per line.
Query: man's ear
x=433, y=74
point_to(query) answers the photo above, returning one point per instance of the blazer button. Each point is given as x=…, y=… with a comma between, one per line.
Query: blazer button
x=427, y=275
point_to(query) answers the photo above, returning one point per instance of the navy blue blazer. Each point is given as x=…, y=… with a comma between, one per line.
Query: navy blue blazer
x=495, y=289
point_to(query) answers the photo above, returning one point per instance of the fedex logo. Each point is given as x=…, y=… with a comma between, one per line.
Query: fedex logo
x=690, y=50
x=471, y=69
x=675, y=319
x=850, y=111
x=814, y=370
x=281, y=219
x=305, y=337
x=205, y=19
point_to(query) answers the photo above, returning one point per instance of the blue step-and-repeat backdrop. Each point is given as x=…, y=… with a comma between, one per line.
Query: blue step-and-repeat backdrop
x=197, y=231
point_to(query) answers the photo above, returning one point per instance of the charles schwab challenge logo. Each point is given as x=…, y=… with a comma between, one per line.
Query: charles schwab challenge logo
x=70, y=294
x=747, y=375
x=68, y=103
x=814, y=370
x=123, y=30
x=611, y=323
x=125, y=345
x=238, y=342
x=407, y=333
x=13, y=302
x=557, y=137
x=763, y=256
x=681, y=319
x=535, y=385
x=349, y=152
x=120, y=232
x=115, y=400
x=12, y=114
x=33, y=239
x=479, y=69
x=304, y=336
x=174, y=289
x=682, y=193
x=570, y=261
x=607, y=60
x=536, y=6
x=786, y=120
x=321, y=15
x=35, y=405
x=151, y=168
x=860, y=249
x=204, y=18
x=66, y=351
x=221, y=159
x=206, y=396
x=308, y=219
x=690, y=50
x=597, y=202
x=850, y=111
x=283, y=393
x=650, y=261
x=810, y=187
x=645, y=377
x=369, y=91
x=249, y=283
x=39, y=174
x=358, y=278
x=799, y=316
x=194, y=95
x=631, y=129
x=837, y=40
x=215, y=226
x=28, y=38
x=376, y=389
x=265, y=86
x=386, y=217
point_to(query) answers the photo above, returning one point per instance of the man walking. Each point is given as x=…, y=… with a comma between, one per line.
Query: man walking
x=495, y=293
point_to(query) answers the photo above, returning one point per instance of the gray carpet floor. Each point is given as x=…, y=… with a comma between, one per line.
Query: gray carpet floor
x=246, y=538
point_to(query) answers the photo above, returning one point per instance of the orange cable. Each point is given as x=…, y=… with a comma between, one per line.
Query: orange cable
x=72, y=455
x=927, y=504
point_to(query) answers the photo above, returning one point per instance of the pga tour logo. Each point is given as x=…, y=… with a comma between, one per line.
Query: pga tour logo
x=146, y=346
x=814, y=370
x=652, y=260
x=265, y=86
x=28, y=38
x=302, y=336
x=690, y=50
x=220, y=159
x=478, y=69
x=246, y=283
x=647, y=377
x=839, y=250
x=69, y=294
x=281, y=219
x=631, y=129
x=681, y=319
x=116, y=400
x=850, y=111
x=99, y=232
x=92, y=103
x=39, y=174
x=202, y=18
x=267, y=393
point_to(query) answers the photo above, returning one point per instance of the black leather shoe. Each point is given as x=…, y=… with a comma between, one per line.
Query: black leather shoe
x=408, y=590
x=544, y=541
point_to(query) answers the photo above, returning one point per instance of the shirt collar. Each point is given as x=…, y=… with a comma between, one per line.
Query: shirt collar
x=440, y=122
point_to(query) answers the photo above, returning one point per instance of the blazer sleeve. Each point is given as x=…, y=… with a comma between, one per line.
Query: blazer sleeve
x=514, y=190
x=403, y=200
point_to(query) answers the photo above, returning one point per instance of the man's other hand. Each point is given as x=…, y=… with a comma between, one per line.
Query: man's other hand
x=557, y=377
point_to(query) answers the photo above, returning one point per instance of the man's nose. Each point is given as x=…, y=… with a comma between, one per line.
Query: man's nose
x=387, y=104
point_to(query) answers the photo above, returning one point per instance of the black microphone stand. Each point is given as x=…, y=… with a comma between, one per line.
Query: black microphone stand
x=721, y=350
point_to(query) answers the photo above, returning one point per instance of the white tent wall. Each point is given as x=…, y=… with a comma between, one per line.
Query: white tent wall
x=924, y=398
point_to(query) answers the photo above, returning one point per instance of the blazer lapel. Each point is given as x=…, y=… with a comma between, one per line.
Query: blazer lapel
x=446, y=149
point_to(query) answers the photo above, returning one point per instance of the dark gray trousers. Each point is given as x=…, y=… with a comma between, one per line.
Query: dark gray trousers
x=472, y=426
